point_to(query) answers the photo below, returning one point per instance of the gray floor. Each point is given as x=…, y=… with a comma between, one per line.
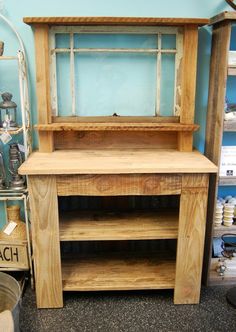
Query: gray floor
x=130, y=311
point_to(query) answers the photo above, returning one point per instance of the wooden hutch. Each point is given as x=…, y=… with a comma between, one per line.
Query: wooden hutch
x=112, y=156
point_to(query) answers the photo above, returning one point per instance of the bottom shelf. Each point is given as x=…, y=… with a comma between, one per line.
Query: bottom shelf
x=118, y=272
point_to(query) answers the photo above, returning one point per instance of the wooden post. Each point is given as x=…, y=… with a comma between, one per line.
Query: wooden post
x=43, y=85
x=215, y=123
x=192, y=221
x=189, y=69
x=45, y=239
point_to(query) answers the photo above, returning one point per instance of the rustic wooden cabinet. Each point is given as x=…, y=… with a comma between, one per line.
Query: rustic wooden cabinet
x=117, y=156
x=220, y=70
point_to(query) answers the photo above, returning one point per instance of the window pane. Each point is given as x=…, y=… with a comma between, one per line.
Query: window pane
x=114, y=41
x=62, y=40
x=63, y=84
x=168, y=42
x=122, y=84
x=167, y=84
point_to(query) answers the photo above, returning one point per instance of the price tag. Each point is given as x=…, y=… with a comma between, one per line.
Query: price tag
x=10, y=227
x=5, y=137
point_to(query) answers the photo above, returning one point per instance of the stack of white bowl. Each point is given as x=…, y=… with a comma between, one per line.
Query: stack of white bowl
x=218, y=214
x=229, y=211
x=228, y=214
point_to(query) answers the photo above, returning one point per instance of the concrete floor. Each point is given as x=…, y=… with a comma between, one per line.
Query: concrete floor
x=130, y=311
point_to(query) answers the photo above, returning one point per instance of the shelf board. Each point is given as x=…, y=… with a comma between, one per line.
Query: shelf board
x=219, y=231
x=3, y=57
x=12, y=132
x=116, y=161
x=232, y=70
x=106, y=20
x=227, y=181
x=229, y=125
x=117, y=126
x=118, y=272
x=103, y=225
x=214, y=279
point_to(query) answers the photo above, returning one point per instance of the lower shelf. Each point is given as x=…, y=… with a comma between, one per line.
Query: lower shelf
x=229, y=277
x=116, y=272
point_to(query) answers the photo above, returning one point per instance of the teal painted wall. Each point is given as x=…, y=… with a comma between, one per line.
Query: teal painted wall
x=16, y=10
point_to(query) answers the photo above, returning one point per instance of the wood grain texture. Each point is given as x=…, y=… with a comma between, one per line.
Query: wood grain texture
x=101, y=20
x=103, y=225
x=114, y=119
x=215, y=123
x=114, y=140
x=45, y=239
x=188, y=76
x=192, y=221
x=80, y=126
x=43, y=84
x=118, y=272
x=118, y=185
x=185, y=141
x=225, y=16
x=116, y=162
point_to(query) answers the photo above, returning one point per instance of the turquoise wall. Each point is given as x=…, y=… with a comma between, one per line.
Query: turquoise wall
x=16, y=10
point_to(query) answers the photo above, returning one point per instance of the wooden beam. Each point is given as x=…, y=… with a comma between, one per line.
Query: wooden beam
x=118, y=185
x=189, y=69
x=122, y=126
x=185, y=141
x=101, y=20
x=215, y=123
x=225, y=16
x=45, y=239
x=192, y=221
x=43, y=85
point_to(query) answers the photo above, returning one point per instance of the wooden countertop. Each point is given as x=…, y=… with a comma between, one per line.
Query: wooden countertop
x=116, y=162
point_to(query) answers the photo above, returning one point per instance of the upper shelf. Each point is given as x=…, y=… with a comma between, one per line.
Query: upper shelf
x=101, y=20
x=119, y=126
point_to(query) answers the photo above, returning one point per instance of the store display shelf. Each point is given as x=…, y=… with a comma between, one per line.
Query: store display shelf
x=5, y=57
x=227, y=181
x=229, y=277
x=219, y=231
x=232, y=70
x=230, y=125
x=103, y=225
x=118, y=272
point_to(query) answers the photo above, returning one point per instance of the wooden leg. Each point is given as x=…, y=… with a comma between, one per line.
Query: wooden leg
x=192, y=222
x=45, y=239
